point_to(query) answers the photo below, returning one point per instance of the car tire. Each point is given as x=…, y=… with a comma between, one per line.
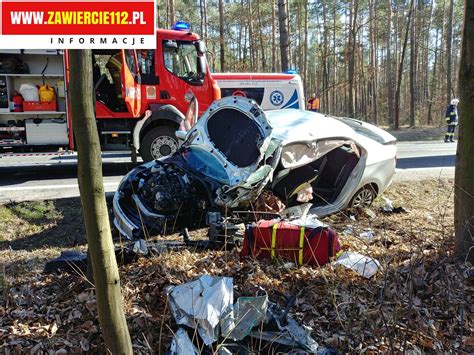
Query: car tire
x=363, y=198
x=158, y=142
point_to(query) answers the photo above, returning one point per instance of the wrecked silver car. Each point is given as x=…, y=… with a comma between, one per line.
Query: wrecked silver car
x=236, y=153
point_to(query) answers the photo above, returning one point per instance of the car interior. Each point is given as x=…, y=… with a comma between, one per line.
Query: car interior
x=327, y=176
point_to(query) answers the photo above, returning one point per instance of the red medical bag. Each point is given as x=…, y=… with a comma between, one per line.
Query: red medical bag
x=302, y=245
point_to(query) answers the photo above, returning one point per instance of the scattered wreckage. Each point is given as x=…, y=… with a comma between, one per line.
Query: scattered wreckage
x=206, y=307
x=239, y=164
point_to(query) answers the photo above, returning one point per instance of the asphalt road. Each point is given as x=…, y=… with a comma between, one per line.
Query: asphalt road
x=53, y=176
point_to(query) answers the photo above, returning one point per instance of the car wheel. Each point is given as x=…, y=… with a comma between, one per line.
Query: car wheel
x=363, y=198
x=158, y=142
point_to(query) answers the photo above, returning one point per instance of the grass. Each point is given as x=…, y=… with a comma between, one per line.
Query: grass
x=33, y=232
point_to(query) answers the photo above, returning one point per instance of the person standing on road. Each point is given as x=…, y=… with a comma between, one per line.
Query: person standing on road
x=451, y=120
x=313, y=103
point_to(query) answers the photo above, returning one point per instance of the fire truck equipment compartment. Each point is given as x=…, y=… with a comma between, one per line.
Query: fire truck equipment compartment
x=46, y=132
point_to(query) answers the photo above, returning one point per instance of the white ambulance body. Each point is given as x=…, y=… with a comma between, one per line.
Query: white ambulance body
x=270, y=91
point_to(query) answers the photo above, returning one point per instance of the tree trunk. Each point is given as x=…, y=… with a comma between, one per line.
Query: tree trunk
x=433, y=81
x=464, y=180
x=305, y=45
x=96, y=217
x=391, y=118
x=251, y=35
x=203, y=12
x=273, y=38
x=413, y=58
x=282, y=21
x=373, y=59
x=400, y=70
x=221, y=35
x=260, y=36
x=324, y=98
x=351, y=60
x=449, y=41
x=172, y=12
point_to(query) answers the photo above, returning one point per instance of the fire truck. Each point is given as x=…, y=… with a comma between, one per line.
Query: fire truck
x=141, y=95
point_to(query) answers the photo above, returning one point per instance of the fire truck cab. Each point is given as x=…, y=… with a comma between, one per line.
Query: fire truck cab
x=141, y=95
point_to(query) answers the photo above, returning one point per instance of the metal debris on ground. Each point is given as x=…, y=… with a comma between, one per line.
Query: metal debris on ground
x=246, y=313
x=367, y=234
x=363, y=265
x=349, y=230
x=140, y=247
x=202, y=302
x=288, y=331
x=206, y=304
x=182, y=344
x=371, y=214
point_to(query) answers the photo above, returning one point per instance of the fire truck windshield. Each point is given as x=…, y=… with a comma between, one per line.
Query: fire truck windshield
x=182, y=59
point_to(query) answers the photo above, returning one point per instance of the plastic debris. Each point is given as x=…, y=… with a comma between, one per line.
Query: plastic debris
x=371, y=214
x=305, y=194
x=349, y=230
x=182, y=344
x=400, y=209
x=363, y=265
x=245, y=314
x=202, y=302
x=367, y=234
x=387, y=205
x=140, y=247
x=289, y=265
x=352, y=217
x=290, y=332
x=69, y=260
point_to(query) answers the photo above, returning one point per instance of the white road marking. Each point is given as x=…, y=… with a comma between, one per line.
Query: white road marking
x=49, y=187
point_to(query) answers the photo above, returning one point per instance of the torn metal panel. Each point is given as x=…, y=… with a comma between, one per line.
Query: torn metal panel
x=290, y=332
x=202, y=302
x=245, y=314
x=181, y=344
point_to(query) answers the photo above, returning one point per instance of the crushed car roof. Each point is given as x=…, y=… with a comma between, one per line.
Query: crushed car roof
x=291, y=125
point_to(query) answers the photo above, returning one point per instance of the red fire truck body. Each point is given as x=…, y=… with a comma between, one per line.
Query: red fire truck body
x=141, y=95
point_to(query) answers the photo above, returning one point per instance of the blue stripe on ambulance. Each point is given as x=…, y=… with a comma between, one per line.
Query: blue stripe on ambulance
x=293, y=101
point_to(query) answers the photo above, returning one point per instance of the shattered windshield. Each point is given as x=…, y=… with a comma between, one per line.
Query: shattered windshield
x=206, y=164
